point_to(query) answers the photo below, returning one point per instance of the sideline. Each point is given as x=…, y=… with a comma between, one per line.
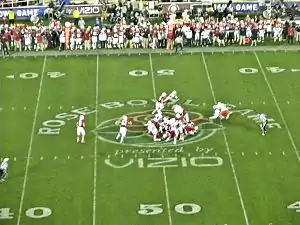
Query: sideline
x=156, y=51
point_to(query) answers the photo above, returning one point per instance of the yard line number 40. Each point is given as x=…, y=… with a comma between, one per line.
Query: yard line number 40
x=156, y=209
x=295, y=206
x=161, y=72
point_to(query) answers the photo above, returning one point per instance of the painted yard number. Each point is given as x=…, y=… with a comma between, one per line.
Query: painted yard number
x=295, y=206
x=31, y=75
x=141, y=73
x=156, y=209
x=254, y=70
x=34, y=213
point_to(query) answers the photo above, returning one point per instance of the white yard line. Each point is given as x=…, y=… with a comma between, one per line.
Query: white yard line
x=227, y=147
x=95, y=146
x=164, y=169
x=30, y=142
x=278, y=107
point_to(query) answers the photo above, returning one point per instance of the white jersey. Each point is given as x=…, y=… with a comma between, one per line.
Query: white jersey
x=262, y=118
x=80, y=123
x=4, y=165
x=172, y=96
x=151, y=127
x=124, y=123
x=178, y=109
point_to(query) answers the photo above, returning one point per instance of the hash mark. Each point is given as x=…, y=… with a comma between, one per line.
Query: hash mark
x=251, y=103
x=82, y=157
x=109, y=156
x=203, y=103
x=264, y=102
x=135, y=156
x=49, y=107
x=256, y=153
x=73, y=107
x=243, y=153
x=240, y=103
x=189, y=155
x=12, y=108
x=41, y=158
x=69, y=157
x=288, y=102
x=270, y=153
x=60, y=107
x=283, y=153
x=122, y=156
x=216, y=154
x=24, y=108
x=15, y=158
x=55, y=158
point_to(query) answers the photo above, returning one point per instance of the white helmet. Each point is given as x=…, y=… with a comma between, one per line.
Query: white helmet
x=5, y=160
x=124, y=117
x=164, y=94
x=174, y=92
x=81, y=117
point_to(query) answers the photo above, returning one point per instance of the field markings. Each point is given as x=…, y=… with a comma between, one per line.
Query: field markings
x=31, y=142
x=277, y=106
x=227, y=146
x=164, y=169
x=95, y=145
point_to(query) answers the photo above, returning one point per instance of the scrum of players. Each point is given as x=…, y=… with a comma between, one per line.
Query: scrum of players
x=175, y=128
x=164, y=128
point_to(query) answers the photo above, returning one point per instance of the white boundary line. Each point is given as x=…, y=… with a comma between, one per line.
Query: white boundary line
x=164, y=169
x=227, y=146
x=31, y=142
x=277, y=106
x=95, y=147
x=195, y=50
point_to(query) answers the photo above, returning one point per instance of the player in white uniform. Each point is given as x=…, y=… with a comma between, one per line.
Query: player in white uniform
x=3, y=169
x=220, y=111
x=80, y=129
x=123, y=128
x=159, y=105
x=152, y=129
x=172, y=98
x=263, y=123
x=216, y=113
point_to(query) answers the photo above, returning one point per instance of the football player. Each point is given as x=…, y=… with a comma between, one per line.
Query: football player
x=123, y=128
x=263, y=123
x=159, y=105
x=3, y=169
x=172, y=98
x=80, y=129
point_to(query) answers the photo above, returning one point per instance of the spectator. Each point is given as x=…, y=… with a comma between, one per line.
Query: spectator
x=76, y=16
x=11, y=17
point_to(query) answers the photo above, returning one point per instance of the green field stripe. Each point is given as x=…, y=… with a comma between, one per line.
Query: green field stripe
x=163, y=169
x=31, y=142
x=278, y=106
x=227, y=146
x=96, y=145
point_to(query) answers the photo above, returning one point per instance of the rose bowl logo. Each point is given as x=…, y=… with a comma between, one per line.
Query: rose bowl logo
x=137, y=133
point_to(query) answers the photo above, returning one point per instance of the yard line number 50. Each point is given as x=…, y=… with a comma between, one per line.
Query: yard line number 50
x=156, y=209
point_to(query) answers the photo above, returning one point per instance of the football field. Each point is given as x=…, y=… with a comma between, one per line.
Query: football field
x=227, y=173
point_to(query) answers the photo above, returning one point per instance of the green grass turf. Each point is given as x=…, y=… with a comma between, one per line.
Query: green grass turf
x=233, y=173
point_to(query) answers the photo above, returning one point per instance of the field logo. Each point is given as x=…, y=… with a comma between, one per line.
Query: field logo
x=137, y=134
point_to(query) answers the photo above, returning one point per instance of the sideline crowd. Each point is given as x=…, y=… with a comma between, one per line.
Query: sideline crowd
x=205, y=31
